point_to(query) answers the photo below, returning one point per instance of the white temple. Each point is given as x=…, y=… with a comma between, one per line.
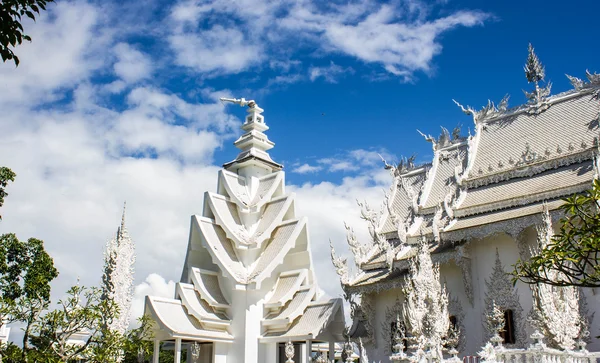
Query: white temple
x=484, y=202
x=248, y=285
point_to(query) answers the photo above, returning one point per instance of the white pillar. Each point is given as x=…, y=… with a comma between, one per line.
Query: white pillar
x=220, y=351
x=177, y=354
x=270, y=353
x=156, y=353
x=308, y=350
x=331, y=357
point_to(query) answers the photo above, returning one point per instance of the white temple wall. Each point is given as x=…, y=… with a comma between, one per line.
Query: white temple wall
x=460, y=306
x=384, y=300
x=593, y=304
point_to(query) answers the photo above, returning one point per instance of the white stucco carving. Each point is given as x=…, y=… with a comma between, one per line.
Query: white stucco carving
x=425, y=308
x=501, y=293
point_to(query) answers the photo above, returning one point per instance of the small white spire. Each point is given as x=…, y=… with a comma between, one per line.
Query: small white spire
x=253, y=143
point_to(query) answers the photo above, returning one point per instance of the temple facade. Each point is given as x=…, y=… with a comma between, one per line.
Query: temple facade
x=247, y=286
x=485, y=201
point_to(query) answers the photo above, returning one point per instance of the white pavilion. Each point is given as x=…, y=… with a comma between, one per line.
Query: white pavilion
x=248, y=285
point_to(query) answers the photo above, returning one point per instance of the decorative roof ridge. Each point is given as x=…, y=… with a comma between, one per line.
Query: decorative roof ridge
x=531, y=168
x=418, y=169
x=522, y=201
x=511, y=226
x=557, y=98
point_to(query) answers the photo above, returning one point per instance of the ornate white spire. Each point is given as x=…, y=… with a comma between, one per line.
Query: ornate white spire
x=535, y=73
x=426, y=306
x=253, y=143
x=119, y=258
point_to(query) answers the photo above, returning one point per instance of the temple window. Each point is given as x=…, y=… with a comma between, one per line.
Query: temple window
x=509, y=327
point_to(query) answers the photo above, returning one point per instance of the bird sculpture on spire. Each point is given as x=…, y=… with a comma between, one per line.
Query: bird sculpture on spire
x=239, y=101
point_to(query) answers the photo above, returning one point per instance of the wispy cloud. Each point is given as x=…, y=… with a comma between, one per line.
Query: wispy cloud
x=402, y=37
x=307, y=169
x=329, y=74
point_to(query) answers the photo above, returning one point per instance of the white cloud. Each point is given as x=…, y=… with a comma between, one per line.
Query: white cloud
x=216, y=50
x=62, y=53
x=132, y=65
x=402, y=37
x=355, y=160
x=307, y=169
x=153, y=285
x=330, y=73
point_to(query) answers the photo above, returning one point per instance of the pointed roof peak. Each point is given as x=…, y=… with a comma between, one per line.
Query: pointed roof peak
x=122, y=230
x=123, y=215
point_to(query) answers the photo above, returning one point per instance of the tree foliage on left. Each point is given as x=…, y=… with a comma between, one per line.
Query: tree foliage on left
x=12, y=12
x=26, y=270
x=6, y=175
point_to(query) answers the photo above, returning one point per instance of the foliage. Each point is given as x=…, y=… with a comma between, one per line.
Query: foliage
x=571, y=257
x=11, y=29
x=6, y=175
x=26, y=271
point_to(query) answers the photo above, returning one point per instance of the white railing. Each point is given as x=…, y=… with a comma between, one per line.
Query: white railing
x=495, y=352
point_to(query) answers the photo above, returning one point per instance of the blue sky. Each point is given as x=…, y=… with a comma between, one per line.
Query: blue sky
x=118, y=102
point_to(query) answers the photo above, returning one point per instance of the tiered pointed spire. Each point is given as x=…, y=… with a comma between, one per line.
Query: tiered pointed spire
x=253, y=143
x=248, y=276
x=119, y=258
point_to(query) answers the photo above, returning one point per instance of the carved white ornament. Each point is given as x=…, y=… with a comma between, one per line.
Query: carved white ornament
x=556, y=311
x=119, y=258
x=501, y=293
x=425, y=309
x=340, y=264
x=289, y=352
x=391, y=313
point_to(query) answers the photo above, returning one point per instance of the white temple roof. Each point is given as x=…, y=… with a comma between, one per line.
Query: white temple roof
x=292, y=309
x=287, y=284
x=207, y=284
x=494, y=181
x=440, y=180
x=173, y=320
x=310, y=324
x=519, y=191
x=199, y=308
x=566, y=127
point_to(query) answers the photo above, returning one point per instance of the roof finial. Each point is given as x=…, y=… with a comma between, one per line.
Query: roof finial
x=123, y=216
x=535, y=72
x=240, y=101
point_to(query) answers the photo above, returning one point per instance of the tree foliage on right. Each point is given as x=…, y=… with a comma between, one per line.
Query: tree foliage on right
x=571, y=256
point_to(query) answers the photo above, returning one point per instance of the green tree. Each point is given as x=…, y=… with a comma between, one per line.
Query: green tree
x=26, y=271
x=6, y=175
x=571, y=258
x=11, y=29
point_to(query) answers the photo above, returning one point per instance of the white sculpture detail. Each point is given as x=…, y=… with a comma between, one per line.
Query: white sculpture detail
x=359, y=250
x=534, y=71
x=556, y=311
x=340, y=264
x=426, y=306
x=501, y=293
x=487, y=112
x=119, y=258
x=289, y=352
x=240, y=101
